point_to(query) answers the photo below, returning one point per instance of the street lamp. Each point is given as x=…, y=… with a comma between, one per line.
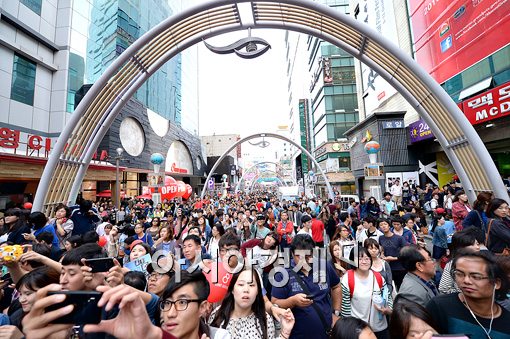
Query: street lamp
x=117, y=184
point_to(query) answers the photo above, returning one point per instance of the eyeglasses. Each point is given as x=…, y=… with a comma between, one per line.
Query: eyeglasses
x=156, y=275
x=474, y=276
x=180, y=304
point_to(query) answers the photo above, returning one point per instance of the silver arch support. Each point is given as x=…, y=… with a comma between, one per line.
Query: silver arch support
x=269, y=135
x=71, y=156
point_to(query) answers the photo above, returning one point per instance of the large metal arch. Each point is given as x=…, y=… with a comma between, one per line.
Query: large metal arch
x=269, y=135
x=69, y=159
x=255, y=166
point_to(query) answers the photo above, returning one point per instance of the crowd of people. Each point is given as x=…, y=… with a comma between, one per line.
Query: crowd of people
x=252, y=266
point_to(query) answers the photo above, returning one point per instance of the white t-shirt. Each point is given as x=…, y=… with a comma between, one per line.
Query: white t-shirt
x=302, y=231
x=363, y=235
x=396, y=190
x=361, y=301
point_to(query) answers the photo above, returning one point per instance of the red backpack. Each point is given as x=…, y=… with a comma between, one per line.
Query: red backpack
x=350, y=280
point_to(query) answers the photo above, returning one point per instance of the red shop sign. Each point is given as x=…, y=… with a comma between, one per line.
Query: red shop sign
x=489, y=105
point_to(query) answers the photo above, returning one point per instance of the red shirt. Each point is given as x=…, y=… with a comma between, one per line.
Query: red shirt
x=317, y=230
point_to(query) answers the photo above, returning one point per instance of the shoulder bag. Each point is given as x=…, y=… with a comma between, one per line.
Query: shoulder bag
x=305, y=289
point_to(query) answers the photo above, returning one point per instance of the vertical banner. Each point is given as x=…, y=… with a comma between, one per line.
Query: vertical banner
x=445, y=171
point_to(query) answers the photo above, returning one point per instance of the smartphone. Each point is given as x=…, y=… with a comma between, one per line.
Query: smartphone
x=309, y=296
x=100, y=264
x=85, y=309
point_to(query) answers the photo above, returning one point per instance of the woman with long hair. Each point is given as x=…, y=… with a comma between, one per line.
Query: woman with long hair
x=166, y=241
x=336, y=258
x=155, y=227
x=15, y=222
x=460, y=209
x=378, y=264
x=213, y=244
x=243, y=314
x=373, y=208
x=498, y=227
x=477, y=216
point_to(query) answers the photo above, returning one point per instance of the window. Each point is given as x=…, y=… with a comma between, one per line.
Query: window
x=33, y=5
x=344, y=162
x=23, y=80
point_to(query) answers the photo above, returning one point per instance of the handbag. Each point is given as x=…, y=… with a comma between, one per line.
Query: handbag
x=506, y=250
x=305, y=289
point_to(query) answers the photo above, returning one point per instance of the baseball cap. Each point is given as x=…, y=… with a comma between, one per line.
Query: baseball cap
x=261, y=217
x=134, y=243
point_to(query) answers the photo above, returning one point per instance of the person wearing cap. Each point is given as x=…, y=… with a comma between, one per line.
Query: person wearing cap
x=306, y=225
x=159, y=279
x=259, y=229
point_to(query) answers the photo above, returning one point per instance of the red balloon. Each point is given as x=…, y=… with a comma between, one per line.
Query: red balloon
x=169, y=191
x=102, y=241
x=27, y=205
x=219, y=289
x=169, y=180
x=181, y=188
x=189, y=191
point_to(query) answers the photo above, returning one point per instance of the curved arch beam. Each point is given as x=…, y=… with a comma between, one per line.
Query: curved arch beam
x=269, y=135
x=74, y=149
x=255, y=166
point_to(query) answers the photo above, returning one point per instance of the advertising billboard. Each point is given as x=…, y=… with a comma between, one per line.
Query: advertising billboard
x=450, y=36
x=489, y=105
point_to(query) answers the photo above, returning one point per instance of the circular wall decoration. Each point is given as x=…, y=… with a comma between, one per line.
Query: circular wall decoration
x=159, y=125
x=132, y=136
x=178, y=159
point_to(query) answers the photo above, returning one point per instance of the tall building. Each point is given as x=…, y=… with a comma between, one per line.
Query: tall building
x=463, y=46
x=51, y=53
x=214, y=147
x=325, y=107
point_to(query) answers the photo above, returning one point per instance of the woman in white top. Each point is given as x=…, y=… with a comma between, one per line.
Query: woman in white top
x=365, y=295
x=212, y=247
x=242, y=311
x=378, y=264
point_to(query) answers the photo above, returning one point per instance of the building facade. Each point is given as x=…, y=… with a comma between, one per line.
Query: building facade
x=323, y=107
x=51, y=52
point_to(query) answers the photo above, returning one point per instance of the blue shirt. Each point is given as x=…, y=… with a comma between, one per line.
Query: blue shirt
x=51, y=229
x=392, y=246
x=308, y=323
x=449, y=227
x=440, y=238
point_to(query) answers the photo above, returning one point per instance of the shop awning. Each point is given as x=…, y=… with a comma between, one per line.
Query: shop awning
x=108, y=194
